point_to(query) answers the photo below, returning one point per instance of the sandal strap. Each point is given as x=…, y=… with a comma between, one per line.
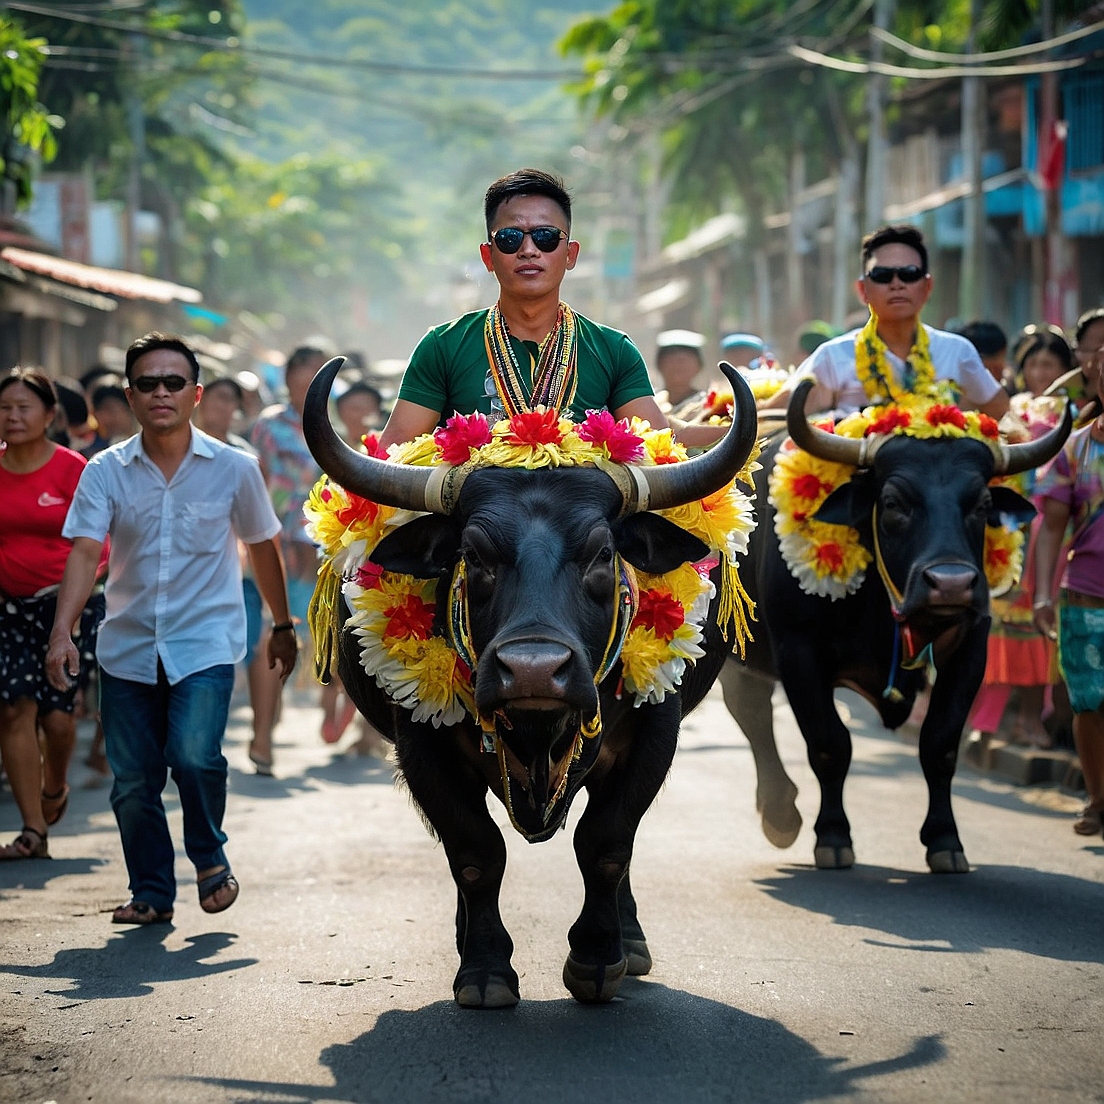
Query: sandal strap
x=34, y=831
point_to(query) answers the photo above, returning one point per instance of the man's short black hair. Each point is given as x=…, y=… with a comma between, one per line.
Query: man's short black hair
x=359, y=388
x=525, y=182
x=228, y=382
x=888, y=235
x=987, y=337
x=108, y=392
x=301, y=356
x=95, y=372
x=149, y=343
x=1089, y=318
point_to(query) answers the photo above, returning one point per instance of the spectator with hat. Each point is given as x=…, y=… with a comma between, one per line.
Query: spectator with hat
x=679, y=362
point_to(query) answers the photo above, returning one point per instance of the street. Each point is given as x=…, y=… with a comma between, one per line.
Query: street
x=330, y=978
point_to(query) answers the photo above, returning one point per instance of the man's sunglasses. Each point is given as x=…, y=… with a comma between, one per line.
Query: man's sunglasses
x=545, y=238
x=883, y=274
x=148, y=384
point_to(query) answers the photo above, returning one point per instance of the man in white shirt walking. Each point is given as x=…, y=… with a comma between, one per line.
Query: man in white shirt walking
x=895, y=284
x=173, y=500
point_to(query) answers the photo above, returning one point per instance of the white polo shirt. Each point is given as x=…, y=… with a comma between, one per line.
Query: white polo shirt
x=953, y=358
x=174, y=579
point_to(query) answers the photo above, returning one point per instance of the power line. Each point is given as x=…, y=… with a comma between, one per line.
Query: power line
x=995, y=55
x=232, y=45
x=826, y=61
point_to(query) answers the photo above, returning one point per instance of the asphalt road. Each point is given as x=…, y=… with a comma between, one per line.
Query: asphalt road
x=330, y=978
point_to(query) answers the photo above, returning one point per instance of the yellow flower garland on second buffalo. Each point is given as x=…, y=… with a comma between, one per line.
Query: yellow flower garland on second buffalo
x=393, y=615
x=829, y=560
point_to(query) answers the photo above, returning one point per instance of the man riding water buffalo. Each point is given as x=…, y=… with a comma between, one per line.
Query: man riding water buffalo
x=538, y=626
x=879, y=539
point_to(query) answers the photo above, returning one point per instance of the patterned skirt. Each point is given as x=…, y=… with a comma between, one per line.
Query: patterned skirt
x=25, y=625
x=1081, y=654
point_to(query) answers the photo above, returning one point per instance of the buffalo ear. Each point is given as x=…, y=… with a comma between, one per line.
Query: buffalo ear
x=1008, y=506
x=656, y=545
x=425, y=547
x=850, y=504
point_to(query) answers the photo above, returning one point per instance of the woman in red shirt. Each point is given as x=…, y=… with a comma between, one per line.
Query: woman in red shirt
x=37, y=482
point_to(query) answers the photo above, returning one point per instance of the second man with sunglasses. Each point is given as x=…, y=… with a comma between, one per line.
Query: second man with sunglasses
x=530, y=348
x=895, y=284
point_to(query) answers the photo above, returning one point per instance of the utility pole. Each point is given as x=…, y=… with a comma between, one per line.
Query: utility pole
x=1056, y=277
x=136, y=124
x=874, y=215
x=971, y=287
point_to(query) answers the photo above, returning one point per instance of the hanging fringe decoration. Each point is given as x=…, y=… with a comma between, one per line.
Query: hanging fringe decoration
x=735, y=606
x=322, y=619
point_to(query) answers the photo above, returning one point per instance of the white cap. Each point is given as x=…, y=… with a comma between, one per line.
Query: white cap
x=684, y=339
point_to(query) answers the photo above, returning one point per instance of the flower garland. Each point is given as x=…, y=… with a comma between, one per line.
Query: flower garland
x=829, y=560
x=875, y=374
x=394, y=617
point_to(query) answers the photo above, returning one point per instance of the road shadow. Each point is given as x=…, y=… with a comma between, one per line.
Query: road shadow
x=132, y=962
x=994, y=907
x=652, y=1043
x=341, y=769
x=38, y=873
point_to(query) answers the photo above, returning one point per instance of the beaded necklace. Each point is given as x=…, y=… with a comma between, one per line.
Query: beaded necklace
x=555, y=377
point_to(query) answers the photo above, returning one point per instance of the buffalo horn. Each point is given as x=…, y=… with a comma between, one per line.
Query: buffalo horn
x=669, y=485
x=1013, y=459
x=818, y=442
x=400, y=485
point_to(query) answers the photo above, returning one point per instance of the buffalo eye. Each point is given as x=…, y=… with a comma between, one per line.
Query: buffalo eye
x=894, y=512
x=481, y=558
x=598, y=571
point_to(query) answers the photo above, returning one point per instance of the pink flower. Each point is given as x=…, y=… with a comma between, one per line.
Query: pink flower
x=621, y=444
x=460, y=434
x=368, y=576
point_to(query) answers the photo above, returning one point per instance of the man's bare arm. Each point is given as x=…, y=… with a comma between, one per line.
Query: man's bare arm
x=997, y=406
x=62, y=658
x=408, y=420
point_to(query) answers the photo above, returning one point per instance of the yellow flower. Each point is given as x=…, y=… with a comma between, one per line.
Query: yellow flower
x=641, y=656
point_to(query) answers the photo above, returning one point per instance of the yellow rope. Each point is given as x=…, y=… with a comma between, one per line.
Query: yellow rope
x=735, y=606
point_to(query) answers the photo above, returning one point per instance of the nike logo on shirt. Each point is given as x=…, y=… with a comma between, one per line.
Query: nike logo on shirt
x=47, y=499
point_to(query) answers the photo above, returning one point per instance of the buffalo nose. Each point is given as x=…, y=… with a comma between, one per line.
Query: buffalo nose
x=951, y=581
x=533, y=669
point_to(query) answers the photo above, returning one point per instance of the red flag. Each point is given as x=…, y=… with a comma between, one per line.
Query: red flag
x=1052, y=154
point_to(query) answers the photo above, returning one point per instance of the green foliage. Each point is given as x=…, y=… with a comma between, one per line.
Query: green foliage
x=28, y=125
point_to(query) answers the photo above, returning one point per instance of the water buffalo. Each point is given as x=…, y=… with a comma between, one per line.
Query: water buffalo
x=540, y=550
x=931, y=500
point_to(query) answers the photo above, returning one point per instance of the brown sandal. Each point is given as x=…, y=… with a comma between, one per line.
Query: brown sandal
x=24, y=847
x=54, y=806
x=138, y=912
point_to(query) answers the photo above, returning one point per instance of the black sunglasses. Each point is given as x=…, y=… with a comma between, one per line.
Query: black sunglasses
x=545, y=238
x=883, y=274
x=148, y=384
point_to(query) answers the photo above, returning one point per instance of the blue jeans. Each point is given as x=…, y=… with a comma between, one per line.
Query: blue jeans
x=148, y=731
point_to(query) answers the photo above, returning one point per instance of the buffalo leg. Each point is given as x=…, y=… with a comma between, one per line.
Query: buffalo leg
x=633, y=942
x=748, y=698
x=809, y=690
x=952, y=695
x=453, y=799
x=597, y=962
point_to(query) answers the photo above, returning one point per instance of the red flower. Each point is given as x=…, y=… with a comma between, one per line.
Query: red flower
x=988, y=426
x=460, y=434
x=326, y=494
x=889, y=421
x=357, y=510
x=660, y=612
x=719, y=402
x=827, y=424
x=998, y=557
x=942, y=414
x=809, y=486
x=541, y=427
x=371, y=443
x=830, y=556
x=411, y=618
x=622, y=445
x=367, y=576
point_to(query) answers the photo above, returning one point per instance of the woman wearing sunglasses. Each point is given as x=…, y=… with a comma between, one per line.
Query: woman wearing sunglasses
x=894, y=353
x=530, y=349
x=38, y=479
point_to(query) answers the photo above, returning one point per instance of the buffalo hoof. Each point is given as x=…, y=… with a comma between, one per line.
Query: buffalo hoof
x=487, y=991
x=593, y=984
x=779, y=816
x=639, y=959
x=948, y=862
x=833, y=858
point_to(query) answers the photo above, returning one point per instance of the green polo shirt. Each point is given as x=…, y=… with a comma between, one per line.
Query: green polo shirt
x=449, y=371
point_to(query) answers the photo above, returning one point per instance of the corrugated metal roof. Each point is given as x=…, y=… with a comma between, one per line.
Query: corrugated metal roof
x=110, y=281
